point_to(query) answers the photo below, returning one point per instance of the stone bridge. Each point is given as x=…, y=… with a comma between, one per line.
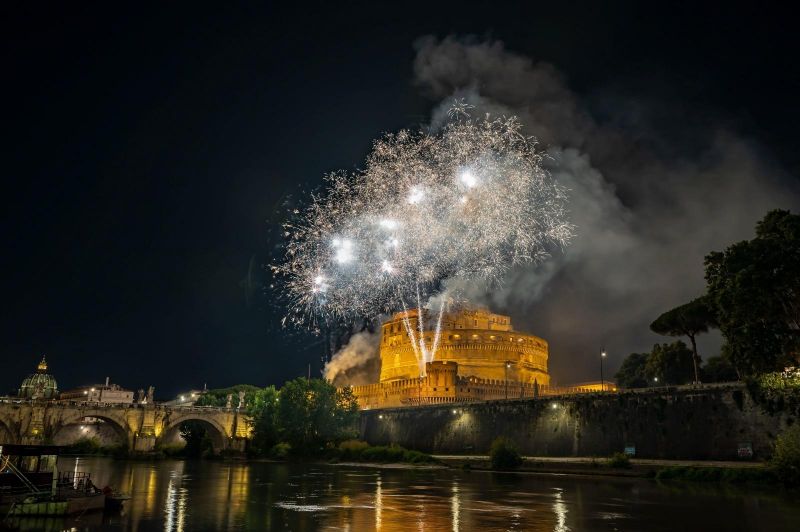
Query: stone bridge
x=141, y=426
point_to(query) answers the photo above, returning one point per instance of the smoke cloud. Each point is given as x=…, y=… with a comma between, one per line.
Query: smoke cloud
x=357, y=362
x=649, y=198
x=648, y=202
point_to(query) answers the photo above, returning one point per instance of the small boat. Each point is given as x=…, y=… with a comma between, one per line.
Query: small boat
x=30, y=484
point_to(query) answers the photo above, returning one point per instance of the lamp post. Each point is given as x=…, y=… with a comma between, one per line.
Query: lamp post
x=602, y=379
x=508, y=365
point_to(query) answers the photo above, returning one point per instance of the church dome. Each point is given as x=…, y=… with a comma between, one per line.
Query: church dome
x=39, y=385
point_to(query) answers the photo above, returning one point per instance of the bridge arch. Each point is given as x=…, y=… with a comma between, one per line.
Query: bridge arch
x=7, y=433
x=170, y=434
x=92, y=425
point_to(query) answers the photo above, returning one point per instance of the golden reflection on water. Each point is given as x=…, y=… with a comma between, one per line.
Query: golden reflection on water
x=455, y=506
x=560, y=511
x=170, y=506
x=378, y=503
x=177, y=496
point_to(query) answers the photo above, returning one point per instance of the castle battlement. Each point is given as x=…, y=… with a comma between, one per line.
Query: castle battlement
x=478, y=356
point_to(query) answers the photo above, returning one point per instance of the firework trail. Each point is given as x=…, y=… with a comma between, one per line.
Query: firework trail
x=469, y=202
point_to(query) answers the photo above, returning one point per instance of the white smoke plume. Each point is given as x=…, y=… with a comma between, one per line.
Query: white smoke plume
x=647, y=204
x=357, y=362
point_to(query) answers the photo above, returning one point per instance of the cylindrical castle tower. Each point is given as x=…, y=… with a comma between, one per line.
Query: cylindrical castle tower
x=482, y=343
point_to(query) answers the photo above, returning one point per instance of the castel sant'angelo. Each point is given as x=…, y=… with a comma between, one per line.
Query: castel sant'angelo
x=479, y=356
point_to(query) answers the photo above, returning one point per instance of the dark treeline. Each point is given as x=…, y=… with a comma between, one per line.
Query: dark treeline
x=753, y=298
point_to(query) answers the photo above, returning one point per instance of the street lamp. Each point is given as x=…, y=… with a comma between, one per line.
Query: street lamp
x=602, y=379
x=508, y=365
x=655, y=380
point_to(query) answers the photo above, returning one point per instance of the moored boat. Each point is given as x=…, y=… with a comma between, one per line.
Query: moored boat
x=30, y=484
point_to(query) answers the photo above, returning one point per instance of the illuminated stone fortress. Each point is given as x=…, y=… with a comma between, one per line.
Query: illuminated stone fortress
x=479, y=357
x=484, y=345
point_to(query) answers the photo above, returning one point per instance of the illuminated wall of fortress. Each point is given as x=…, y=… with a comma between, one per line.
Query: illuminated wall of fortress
x=479, y=357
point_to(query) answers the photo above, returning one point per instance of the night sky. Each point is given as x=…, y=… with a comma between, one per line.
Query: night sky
x=148, y=153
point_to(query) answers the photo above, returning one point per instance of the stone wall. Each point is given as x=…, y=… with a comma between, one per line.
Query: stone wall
x=679, y=423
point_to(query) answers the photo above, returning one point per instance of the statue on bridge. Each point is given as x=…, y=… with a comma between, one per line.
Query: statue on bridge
x=229, y=400
x=151, y=391
x=241, y=399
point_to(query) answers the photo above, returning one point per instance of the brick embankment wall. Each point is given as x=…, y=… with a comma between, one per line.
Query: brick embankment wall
x=703, y=423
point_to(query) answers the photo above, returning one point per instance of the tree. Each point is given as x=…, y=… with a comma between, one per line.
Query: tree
x=263, y=411
x=312, y=413
x=755, y=288
x=219, y=396
x=718, y=369
x=631, y=373
x=670, y=363
x=688, y=320
x=198, y=442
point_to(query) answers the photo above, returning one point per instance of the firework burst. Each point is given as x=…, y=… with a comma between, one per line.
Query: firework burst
x=468, y=202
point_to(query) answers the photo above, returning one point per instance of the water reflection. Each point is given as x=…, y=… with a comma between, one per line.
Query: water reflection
x=176, y=503
x=455, y=506
x=560, y=511
x=207, y=495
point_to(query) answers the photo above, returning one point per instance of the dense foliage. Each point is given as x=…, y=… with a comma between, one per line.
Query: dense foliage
x=754, y=287
x=263, y=410
x=619, y=461
x=718, y=369
x=93, y=446
x=219, y=396
x=786, y=458
x=312, y=413
x=669, y=363
x=504, y=454
x=632, y=372
x=359, y=451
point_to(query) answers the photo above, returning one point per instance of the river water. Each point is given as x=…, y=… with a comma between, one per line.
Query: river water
x=175, y=495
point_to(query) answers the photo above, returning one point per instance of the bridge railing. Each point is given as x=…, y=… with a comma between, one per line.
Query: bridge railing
x=121, y=406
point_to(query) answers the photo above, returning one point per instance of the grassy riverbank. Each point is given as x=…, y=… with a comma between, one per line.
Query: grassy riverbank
x=689, y=470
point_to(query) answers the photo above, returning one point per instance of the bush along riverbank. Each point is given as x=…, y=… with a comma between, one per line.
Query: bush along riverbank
x=359, y=451
x=92, y=447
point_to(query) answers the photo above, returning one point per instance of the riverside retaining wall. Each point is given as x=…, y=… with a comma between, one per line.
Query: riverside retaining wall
x=708, y=422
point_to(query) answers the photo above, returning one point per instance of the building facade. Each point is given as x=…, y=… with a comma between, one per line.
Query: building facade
x=477, y=356
x=99, y=393
x=483, y=344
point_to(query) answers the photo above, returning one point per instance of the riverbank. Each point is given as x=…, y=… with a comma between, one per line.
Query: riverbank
x=696, y=470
